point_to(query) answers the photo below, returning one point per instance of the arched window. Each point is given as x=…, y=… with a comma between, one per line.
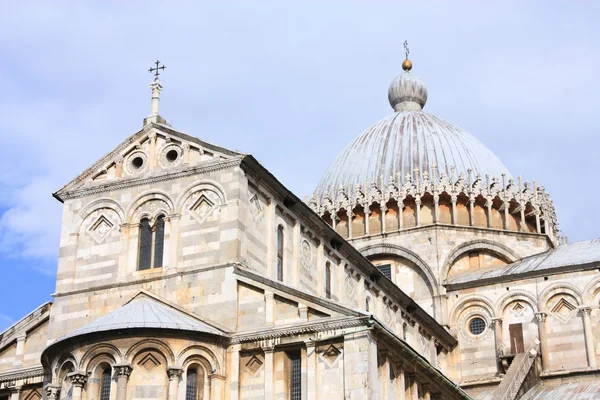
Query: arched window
x=152, y=243
x=191, y=386
x=280, y=253
x=105, y=384
x=328, y=280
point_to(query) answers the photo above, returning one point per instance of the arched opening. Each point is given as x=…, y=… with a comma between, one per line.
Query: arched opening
x=358, y=221
x=426, y=212
x=194, y=382
x=327, y=218
x=375, y=219
x=475, y=260
x=496, y=215
x=391, y=216
x=409, y=214
x=341, y=227
x=105, y=382
x=462, y=210
x=151, y=243
x=479, y=212
x=444, y=209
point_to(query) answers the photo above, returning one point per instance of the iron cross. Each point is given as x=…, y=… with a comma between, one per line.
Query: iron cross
x=157, y=69
x=406, y=50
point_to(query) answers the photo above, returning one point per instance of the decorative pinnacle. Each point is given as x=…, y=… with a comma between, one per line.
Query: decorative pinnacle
x=406, y=64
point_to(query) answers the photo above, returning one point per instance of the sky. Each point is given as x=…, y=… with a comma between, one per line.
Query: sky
x=291, y=83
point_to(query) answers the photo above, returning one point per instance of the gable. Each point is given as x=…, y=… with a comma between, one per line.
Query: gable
x=153, y=151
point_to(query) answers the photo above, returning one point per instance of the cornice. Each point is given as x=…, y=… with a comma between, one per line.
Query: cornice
x=68, y=195
x=274, y=333
x=22, y=374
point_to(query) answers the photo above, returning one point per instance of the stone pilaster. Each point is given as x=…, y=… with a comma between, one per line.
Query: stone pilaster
x=541, y=317
x=234, y=385
x=497, y=325
x=269, y=308
x=217, y=386
x=589, y=336
x=269, y=375
x=311, y=370
x=15, y=393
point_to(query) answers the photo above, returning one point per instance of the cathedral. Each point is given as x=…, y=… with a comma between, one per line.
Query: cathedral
x=419, y=269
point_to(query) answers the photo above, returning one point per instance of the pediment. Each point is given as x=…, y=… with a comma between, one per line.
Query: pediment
x=153, y=151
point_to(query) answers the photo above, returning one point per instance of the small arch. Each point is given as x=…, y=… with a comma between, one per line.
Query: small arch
x=204, y=184
x=95, y=206
x=97, y=350
x=61, y=361
x=558, y=288
x=498, y=249
x=146, y=197
x=591, y=292
x=395, y=250
x=192, y=352
x=511, y=296
x=150, y=344
x=467, y=302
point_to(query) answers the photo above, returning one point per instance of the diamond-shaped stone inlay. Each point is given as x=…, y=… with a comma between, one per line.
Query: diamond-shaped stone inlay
x=256, y=207
x=100, y=229
x=331, y=354
x=564, y=309
x=149, y=362
x=518, y=309
x=253, y=365
x=202, y=208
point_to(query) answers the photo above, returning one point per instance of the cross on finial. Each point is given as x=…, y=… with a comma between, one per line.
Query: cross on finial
x=406, y=50
x=157, y=69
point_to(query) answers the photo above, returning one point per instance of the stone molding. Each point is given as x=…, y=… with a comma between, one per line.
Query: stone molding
x=401, y=188
x=276, y=333
x=77, y=193
x=28, y=373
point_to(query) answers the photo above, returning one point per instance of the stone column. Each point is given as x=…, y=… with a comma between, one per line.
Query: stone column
x=78, y=380
x=217, y=382
x=400, y=215
x=186, y=154
x=488, y=210
x=349, y=214
x=123, y=372
x=418, y=211
x=15, y=392
x=497, y=325
x=506, y=221
x=383, y=209
x=589, y=336
x=52, y=392
x=471, y=212
x=269, y=381
x=436, y=208
x=311, y=370
x=538, y=225
x=174, y=378
x=522, y=213
x=234, y=386
x=367, y=214
x=541, y=317
x=333, y=219
x=453, y=202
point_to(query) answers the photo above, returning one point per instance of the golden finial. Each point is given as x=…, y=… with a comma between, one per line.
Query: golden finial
x=406, y=64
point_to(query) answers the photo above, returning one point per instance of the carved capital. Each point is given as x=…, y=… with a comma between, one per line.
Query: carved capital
x=78, y=378
x=174, y=373
x=496, y=320
x=52, y=392
x=586, y=310
x=123, y=370
x=541, y=316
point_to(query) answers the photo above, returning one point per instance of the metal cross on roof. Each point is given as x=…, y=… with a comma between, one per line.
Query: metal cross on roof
x=157, y=69
x=406, y=50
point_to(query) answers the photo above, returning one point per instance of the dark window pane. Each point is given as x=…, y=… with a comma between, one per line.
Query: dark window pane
x=295, y=376
x=191, y=385
x=328, y=280
x=105, y=385
x=386, y=269
x=477, y=326
x=159, y=242
x=145, y=246
x=280, y=253
x=280, y=269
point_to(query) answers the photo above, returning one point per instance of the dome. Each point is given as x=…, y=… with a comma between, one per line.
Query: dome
x=407, y=143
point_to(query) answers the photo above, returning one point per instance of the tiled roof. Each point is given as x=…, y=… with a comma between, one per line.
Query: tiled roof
x=566, y=255
x=586, y=390
x=145, y=311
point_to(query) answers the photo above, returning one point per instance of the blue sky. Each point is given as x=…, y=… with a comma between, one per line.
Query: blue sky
x=289, y=82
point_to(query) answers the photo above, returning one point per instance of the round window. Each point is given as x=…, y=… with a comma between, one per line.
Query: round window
x=172, y=155
x=137, y=162
x=477, y=326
